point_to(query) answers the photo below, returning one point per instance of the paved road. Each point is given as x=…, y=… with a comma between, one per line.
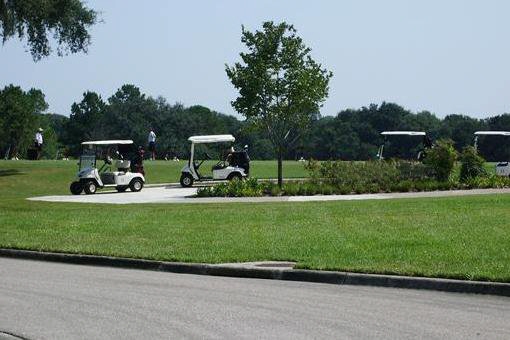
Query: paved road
x=42, y=300
x=176, y=194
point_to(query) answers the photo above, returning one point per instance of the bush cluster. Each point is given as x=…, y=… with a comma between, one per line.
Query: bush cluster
x=337, y=177
x=370, y=176
x=235, y=188
x=307, y=188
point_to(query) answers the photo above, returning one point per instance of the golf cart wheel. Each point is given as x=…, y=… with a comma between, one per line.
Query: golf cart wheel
x=136, y=185
x=186, y=180
x=234, y=176
x=90, y=187
x=76, y=188
x=121, y=188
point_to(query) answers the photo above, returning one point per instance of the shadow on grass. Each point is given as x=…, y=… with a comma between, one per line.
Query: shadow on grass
x=10, y=172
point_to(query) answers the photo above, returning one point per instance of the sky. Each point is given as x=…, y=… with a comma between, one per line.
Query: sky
x=444, y=56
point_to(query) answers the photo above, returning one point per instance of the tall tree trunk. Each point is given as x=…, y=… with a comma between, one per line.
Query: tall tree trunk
x=280, y=172
x=13, y=150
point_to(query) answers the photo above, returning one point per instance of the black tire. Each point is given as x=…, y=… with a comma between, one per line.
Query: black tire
x=90, y=187
x=186, y=180
x=121, y=188
x=234, y=176
x=136, y=185
x=76, y=188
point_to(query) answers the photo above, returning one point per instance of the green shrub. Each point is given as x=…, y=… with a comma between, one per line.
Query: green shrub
x=353, y=174
x=491, y=181
x=330, y=178
x=472, y=164
x=273, y=189
x=441, y=158
x=414, y=171
x=236, y=188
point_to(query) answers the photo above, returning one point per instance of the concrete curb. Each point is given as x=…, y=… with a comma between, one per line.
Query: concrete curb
x=447, y=285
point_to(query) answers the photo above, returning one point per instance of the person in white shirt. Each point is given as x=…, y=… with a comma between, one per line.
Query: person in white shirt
x=152, y=144
x=38, y=142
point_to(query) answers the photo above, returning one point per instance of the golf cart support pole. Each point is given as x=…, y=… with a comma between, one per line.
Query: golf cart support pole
x=191, y=159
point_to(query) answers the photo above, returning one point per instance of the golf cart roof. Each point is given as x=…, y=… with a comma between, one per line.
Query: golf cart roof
x=108, y=142
x=492, y=133
x=212, y=139
x=403, y=133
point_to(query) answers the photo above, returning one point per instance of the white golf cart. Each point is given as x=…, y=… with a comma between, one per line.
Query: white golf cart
x=386, y=134
x=502, y=168
x=90, y=178
x=236, y=165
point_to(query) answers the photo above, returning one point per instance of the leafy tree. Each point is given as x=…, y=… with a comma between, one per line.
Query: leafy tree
x=460, y=129
x=19, y=118
x=86, y=121
x=130, y=114
x=67, y=21
x=281, y=88
x=424, y=121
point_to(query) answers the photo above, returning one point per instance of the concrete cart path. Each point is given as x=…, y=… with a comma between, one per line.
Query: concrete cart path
x=175, y=194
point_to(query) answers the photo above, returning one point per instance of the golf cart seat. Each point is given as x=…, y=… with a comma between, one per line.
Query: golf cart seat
x=220, y=165
x=122, y=164
x=240, y=159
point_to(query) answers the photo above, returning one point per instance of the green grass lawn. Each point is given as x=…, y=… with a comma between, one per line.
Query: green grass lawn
x=162, y=171
x=465, y=237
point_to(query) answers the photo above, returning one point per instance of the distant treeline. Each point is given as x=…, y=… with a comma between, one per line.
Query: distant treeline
x=128, y=114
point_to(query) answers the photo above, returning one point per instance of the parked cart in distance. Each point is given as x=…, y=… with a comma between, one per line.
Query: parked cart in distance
x=425, y=141
x=502, y=167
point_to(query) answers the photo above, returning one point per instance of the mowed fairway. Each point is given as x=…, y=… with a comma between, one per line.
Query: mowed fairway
x=462, y=237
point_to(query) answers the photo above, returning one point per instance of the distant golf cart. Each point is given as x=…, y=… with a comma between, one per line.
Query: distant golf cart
x=426, y=142
x=90, y=178
x=502, y=168
x=235, y=165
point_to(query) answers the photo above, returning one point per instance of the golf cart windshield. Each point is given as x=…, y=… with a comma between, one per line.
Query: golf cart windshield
x=403, y=144
x=87, y=157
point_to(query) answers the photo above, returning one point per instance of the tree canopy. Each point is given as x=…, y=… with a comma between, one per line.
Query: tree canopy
x=352, y=134
x=66, y=21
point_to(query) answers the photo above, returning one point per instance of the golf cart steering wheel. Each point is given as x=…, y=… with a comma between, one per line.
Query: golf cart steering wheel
x=220, y=165
x=207, y=156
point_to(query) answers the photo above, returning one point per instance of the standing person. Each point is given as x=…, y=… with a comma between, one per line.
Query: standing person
x=152, y=144
x=38, y=142
x=246, y=161
x=138, y=161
